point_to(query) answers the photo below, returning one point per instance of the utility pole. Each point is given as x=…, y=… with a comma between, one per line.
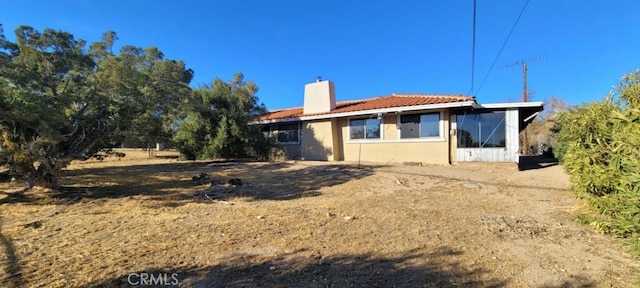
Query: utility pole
x=525, y=140
x=525, y=96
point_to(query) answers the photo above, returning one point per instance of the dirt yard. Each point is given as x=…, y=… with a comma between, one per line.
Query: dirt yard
x=135, y=221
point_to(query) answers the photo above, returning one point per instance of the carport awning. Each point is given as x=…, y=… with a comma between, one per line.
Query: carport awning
x=527, y=114
x=527, y=111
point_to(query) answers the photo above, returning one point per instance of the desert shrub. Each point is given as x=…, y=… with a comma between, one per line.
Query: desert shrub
x=540, y=130
x=584, y=141
x=598, y=143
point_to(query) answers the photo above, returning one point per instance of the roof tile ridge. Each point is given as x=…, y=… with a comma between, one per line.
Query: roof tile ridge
x=355, y=100
x=428, y=95
x=285, y=109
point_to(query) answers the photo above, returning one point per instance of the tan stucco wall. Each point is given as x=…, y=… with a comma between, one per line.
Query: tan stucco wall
x=291, y=151
x=453, y=143
x=338, y=153
x=425, y=152
x=317, y=141
x=390, y=127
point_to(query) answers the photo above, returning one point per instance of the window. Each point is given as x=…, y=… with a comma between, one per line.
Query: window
x=420, y=125
x=266, y=131
x=478, y=130
x=288, y=133
x=364, y=129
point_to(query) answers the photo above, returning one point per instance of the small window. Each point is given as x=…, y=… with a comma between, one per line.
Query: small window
x=288, y=133
x=364, y=129
x=420, y=125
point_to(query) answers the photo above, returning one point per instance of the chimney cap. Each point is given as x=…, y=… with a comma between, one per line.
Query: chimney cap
x=319, y=78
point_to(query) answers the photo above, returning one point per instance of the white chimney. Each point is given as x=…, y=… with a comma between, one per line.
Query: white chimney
x=319, y=97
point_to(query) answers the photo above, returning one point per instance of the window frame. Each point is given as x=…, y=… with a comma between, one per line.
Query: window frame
x=274, y=132
x=502, y=122
x=298, y=132
x=441, y=133
x=267, y=131
x=365, y=139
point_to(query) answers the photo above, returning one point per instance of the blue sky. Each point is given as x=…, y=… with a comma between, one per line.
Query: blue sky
x=577, y=49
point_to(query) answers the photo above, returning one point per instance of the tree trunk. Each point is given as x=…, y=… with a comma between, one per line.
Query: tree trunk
x=47, y=175
x=48, y=181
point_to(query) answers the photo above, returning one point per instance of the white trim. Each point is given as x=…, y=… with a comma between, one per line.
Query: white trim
x=381, y=126
x=373, y=111
x=274, y=121
x=532, y=116
x=509, y=105
x=397, y=141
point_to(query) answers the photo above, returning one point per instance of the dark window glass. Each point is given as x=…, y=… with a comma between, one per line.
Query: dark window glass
x=481, y=129
x=420, y=125
x=409, y=126
x=266, y=131
x=288, y=133
x=357, y=129
x=373, y=128
x=364, y=129
x=430, y=125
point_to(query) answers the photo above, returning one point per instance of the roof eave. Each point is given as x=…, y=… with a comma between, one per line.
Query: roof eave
x=369, y=112
x=280, y=120
x=509, y=105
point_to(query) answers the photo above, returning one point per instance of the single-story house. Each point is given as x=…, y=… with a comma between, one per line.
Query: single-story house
x=424, y=128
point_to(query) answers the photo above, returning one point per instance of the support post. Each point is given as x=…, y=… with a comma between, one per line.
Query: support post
x=525, y=140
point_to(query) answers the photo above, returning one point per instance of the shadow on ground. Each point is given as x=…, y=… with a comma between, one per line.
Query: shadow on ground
x=536, y=162
x=12, y=277
x=335, y=271
x=172, y=183
x=461, y=179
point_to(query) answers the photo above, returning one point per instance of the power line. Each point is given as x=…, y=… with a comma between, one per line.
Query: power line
x=502, y=48
x=473, y=48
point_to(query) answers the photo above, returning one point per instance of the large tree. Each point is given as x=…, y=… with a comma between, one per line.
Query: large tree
x=63, y=103
x=216, y=123
x=156, y=88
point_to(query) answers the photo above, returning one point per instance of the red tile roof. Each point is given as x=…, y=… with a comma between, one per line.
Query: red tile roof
x=391, y=101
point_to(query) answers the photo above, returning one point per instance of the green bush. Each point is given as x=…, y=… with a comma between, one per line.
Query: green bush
x=598, y=143
x=190, y=137
x=217, y=123
x=585, y=136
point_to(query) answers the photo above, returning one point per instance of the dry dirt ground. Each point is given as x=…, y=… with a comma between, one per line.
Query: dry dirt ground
x=136, y=221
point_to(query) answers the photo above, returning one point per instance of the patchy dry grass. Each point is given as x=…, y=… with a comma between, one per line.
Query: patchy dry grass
x=304, y=225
